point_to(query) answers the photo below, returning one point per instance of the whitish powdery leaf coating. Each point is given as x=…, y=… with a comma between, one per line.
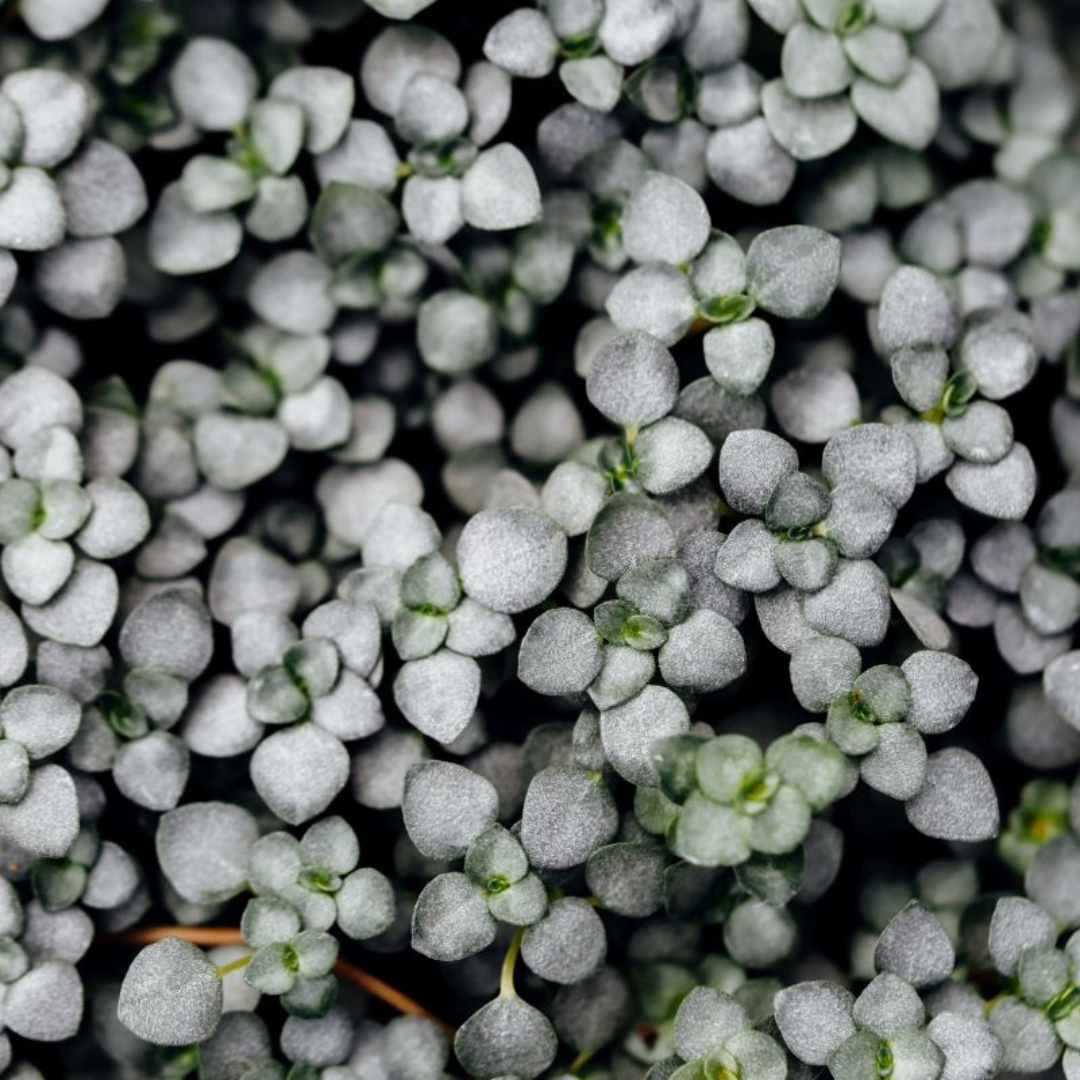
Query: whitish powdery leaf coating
x=665, y=221
x=446, y=806
x=511, y=559
x=633, y=379
x=957, y=801
x=203, y=849
x=793, y=271
x=171, y=995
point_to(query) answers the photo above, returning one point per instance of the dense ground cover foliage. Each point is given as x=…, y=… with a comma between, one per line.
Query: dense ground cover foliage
x=539, y=541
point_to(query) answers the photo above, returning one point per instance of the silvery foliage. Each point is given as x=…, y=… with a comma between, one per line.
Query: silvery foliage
x=165, y=644
x=314, y=692
x=1022, y=943
x=929, y=908
x=798, y=529
x=726, y=800
x=439, y=633
x=505, y=457
x=1023, y=582
x=302, y=889
x=995, y=356
x=687, y=271
x=880, y=717
x=59, y=515
x=713, y=1030
x=840, y=63
x=1040, y=814
x=65, y=194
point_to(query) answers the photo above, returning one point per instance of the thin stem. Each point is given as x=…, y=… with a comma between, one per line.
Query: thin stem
x=387, y=993
x=234, y=965
x=224, y=935
x=197, y=935
x=506, y=982
x=580, y=1062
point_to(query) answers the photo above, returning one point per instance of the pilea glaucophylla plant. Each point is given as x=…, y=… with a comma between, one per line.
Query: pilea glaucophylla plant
x=591, y=44
x=165, y=644
x=1025, y=262
x=926, y=585
x=884, y=64
x=714, y=1036
x=1050, y=586
x=480, y=486
x=450, y=813
x=687, y=271
x=651, y=627
x=814, y=535
x=439, y=632
x=728, y=800
x=302, y=888
x=888, y=1029
x=842, y=62
x=452, y=177
x=1022, y=582
x=280, y=386
x=995, y=358
x=61, y=196
x=311, y=685
x=194, y=228
x=1035, y=1015
x=63, y=512
x=1041, y=815
x=880, y=716
x=944, y=887
x=39, y=813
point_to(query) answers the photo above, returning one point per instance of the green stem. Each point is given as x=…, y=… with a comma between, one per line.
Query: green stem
x=725, y=510
x=233, y=965
x=506, y=981
x=580, y=1062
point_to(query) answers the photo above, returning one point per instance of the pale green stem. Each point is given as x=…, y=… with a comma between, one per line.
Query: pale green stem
x=506, y=982
x=234, y=965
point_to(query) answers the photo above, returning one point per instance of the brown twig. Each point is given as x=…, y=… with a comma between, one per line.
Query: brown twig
x=387, y=993
x=211, y=936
